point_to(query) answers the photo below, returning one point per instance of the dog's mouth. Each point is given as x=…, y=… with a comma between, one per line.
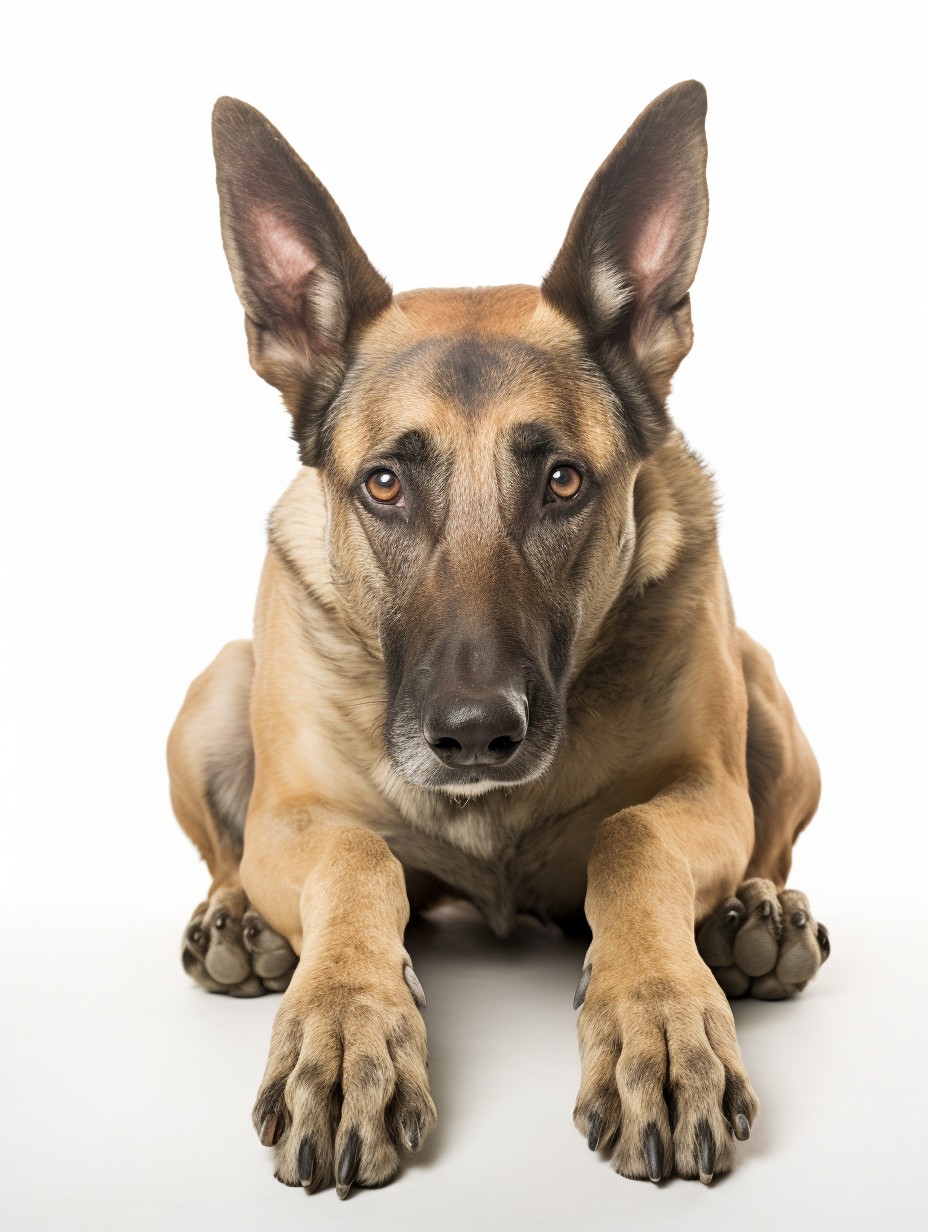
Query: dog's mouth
x=420, y=771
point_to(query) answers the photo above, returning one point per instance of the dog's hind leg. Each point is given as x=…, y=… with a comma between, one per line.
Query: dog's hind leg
x=227, y=947
x=765, y=940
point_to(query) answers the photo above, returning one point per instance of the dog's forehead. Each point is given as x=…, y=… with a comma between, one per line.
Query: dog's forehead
x=466, y=368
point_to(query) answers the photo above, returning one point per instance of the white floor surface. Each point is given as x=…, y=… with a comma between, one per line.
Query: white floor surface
x=130, y=1092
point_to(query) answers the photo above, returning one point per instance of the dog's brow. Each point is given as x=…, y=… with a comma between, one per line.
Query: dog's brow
x=414, y=449
x=533, y=440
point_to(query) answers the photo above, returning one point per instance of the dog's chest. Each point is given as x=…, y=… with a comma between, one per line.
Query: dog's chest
x=537, y=869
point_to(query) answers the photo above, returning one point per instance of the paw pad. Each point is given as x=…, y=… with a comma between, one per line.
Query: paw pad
x=229, y=950
x=762, y=942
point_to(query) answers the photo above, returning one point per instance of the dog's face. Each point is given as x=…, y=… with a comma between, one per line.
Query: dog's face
x=478, y=485
x=478, y=449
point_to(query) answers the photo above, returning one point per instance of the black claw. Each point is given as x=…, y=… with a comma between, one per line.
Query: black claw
x=742, y=1128
x=799, y=919
x=705, y=1145
x=654, y=1152
x=306, y=1162
x=580, y=994
x=595, y=1130
x=349, y=1164
x=823, y=943
x=766, y=909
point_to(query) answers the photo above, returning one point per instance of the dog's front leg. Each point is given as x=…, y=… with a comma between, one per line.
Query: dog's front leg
x=346, y=1082
x=663, y=1084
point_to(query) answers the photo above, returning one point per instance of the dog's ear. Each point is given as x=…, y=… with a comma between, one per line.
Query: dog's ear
x=634, y=242
x=303, y=279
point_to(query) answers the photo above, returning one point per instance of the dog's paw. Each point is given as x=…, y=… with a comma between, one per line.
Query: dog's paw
x=230, y=948
x=346, y=1084
x=764, y=943
x=663, y=1084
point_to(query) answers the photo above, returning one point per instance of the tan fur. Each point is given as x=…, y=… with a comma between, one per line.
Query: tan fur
x=682, y=772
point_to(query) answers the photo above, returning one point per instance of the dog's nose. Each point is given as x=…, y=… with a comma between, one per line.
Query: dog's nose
x=475, y=731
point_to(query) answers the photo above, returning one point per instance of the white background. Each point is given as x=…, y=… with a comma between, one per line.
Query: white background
x=142, y=456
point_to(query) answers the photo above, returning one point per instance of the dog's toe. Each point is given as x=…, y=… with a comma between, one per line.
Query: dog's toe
x=756, y=945
x=716, y=938
x=272, y=956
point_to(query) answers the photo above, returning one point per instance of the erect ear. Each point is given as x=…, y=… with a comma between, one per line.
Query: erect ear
x=634, y=242
x=303, y=279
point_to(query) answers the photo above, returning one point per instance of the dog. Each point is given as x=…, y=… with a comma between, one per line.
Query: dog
x=494, y=657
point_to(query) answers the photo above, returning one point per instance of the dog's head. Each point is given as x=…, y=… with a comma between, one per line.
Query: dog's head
x=478, y=449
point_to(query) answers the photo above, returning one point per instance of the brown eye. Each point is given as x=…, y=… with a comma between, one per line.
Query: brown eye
x=564, y=482
x=386, y=488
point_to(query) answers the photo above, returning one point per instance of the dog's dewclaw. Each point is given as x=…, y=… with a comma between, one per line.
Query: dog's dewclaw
x=412, y=983
x=580, y=994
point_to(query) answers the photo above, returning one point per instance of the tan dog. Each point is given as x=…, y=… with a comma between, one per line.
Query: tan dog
x=494, y=583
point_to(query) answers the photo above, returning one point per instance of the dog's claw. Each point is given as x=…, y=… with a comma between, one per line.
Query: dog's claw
x=270, y=1130
x=412, y=983
x=349, y=1164
x=306, y=1162
x=580, y=994
x=412, y=1132
x=654, y=1152
x=595, y=1129
x=705, y=1144
x=742, y=1128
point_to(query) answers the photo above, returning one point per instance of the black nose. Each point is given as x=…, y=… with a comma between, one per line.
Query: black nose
x=475, y=731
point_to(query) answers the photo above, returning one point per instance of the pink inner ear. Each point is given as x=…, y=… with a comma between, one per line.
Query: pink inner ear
x=287, y=257
x=655, y=251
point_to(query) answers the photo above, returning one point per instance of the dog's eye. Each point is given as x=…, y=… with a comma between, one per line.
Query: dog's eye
x=386, y=488
x=564, y=482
